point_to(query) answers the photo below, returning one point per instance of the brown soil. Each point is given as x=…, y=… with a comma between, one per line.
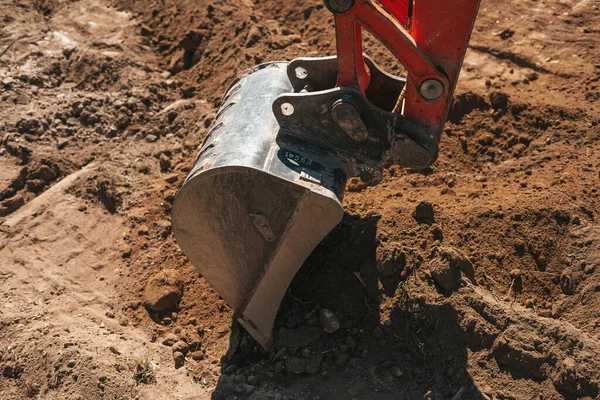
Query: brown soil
x=476, y=278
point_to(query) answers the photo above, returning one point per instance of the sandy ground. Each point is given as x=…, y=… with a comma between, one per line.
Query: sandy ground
x=103, y=108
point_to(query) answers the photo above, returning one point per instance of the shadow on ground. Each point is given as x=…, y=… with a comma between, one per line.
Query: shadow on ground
x=403, y=348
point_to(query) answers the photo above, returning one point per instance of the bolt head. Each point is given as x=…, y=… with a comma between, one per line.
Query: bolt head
x=431, y=89
x=339, y=6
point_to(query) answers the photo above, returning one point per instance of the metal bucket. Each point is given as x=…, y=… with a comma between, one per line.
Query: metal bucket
x=250, y=212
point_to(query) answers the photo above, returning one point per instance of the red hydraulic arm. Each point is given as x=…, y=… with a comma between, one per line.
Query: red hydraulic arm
x=429, y=38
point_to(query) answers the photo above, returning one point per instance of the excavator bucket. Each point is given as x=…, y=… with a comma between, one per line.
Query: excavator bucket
x=250, y=212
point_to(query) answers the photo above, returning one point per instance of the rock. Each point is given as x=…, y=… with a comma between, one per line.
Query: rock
x=143, y=230
x=169, y=339
x=313, y=364
x=239, y=378
x=196, y=355
x=151, y=138
x=165, y=162
x=71, y=364
x=231, y=369
x=252, y=380
x=350, y=342
x=145, y=30
x=396, y=371
x=11, y=205
x=163, y=291
x=424, y=213
x=279, y=366
x=329, y=321
x=296, y=338
x=254, y=36
x=179, y=359
x=171, y=178
x=295, y=365
x=391, y=260
x=62, y=143
x=499, y=100
x=342, y=359
x=448, y=267
x=181, y=347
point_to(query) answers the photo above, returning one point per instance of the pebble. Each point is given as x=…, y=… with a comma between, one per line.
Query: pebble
x=169, y=339
x=231, y=369
x=396, y=371
x=181, y=347
x=424, y=212
x=313, y=365
x=279, y=366
x=163, y=291
x=179, y=359
x=239, y=378
x=252, y=380
x=342, y=359
x=306, y=352
x=329, y=321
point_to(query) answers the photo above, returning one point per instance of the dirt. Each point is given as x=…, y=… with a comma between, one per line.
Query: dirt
x=476, y=278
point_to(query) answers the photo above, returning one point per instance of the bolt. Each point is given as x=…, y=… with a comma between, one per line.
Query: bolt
x=339, y=6
x=346, y=116
x=431, y=89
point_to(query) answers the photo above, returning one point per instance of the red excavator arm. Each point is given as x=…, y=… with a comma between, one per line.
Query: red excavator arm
x=428, y=37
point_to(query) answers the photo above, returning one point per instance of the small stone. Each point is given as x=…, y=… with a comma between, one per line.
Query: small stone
x=295, y=365
x=126, y=253
x=306, y=352
x=151, y=138
x=172, y=178
x=179, y=359
x=589, y=268
x=252, y=380
x=169, y=339
x=231, y=369
x=313, y=365
x=71, y=364
x=396, y=371
x=529, y=303
x=342, y=359
x=181, y=347
x=196, y=355
x=424, y=212
x=516, y=273
x=447, y=268
x=279, y=366
x=329, y=321
x=239, y=378
x=143, y=230
x=110, y=314
x=163, y=291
